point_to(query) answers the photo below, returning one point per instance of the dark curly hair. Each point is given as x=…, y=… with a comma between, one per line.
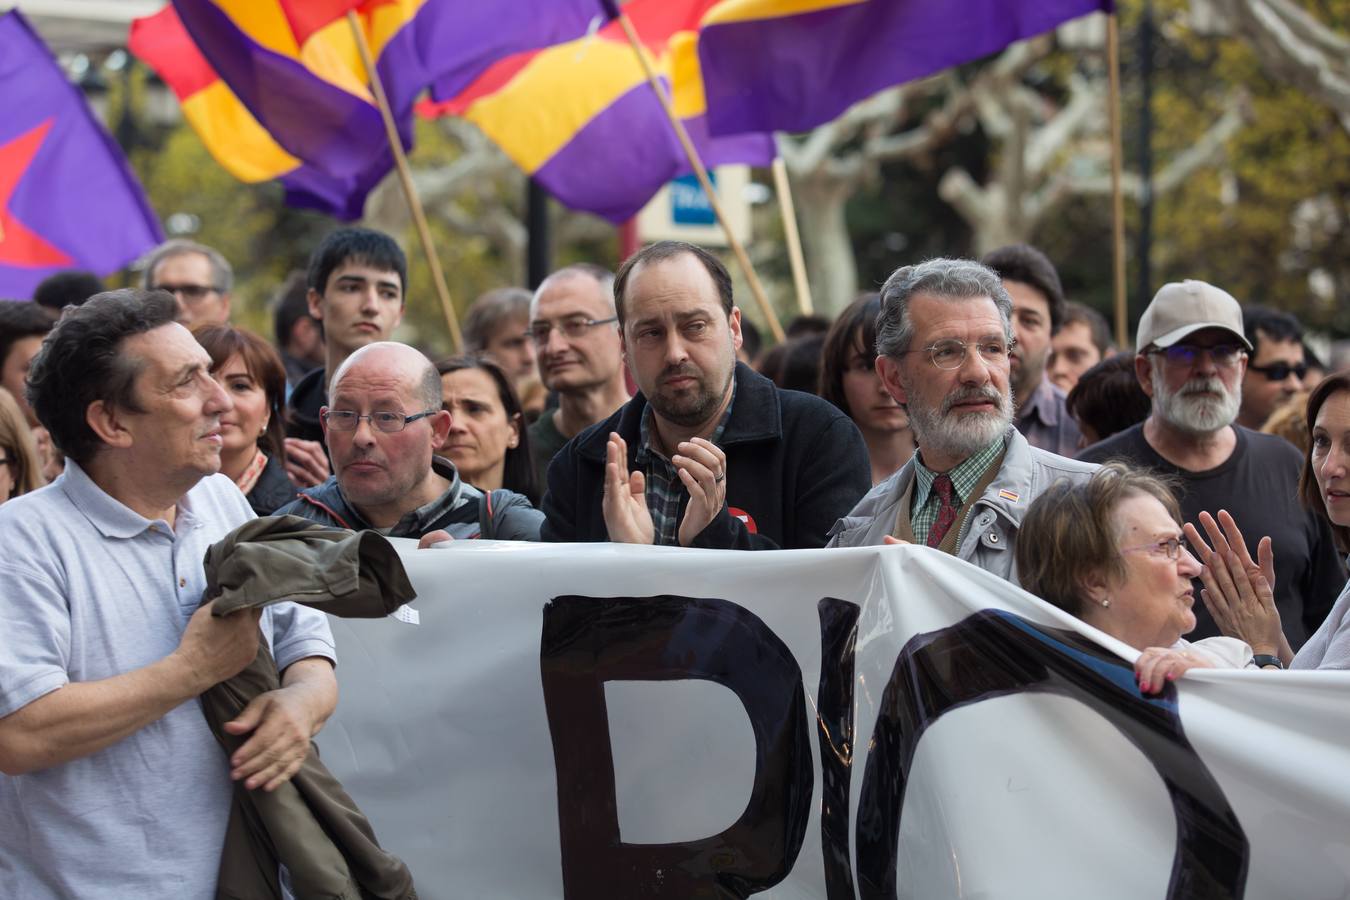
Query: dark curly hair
x=81, y=362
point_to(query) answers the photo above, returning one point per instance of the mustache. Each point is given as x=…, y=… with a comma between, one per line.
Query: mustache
x=680, y=371
x=1212, y=385
x=972, y=393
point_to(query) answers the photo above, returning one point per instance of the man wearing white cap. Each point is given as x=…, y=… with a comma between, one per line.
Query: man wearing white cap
x=1191, y=356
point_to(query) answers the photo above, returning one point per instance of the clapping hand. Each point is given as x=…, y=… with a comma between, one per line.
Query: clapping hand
x=703, y=469
x=1239, y=592
x=627, y=518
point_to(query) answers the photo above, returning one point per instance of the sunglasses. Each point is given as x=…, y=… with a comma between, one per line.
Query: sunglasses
x=1279, y=371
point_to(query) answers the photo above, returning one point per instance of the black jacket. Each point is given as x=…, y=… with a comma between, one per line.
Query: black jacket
x=468, y=512
x=302, y=410
x=272, y=490
x=795, y=464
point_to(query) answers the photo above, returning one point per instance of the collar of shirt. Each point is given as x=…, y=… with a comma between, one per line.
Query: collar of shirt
x=112, y=517
x=1041, y=405
x=663, y=481
x=965, y=475
x=647, y=428
x=419, y=521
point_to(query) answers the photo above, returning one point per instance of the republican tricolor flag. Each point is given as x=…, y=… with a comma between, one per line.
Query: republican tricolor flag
x=68, y=199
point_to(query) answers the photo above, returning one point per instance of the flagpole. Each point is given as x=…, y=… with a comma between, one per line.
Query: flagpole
x=701, y=172
x=405, y=179
x=1117, y=194
x=794, y=240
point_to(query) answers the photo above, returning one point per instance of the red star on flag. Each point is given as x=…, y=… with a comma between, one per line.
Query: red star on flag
x=19, y=245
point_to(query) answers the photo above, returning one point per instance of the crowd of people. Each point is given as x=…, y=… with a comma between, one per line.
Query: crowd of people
x=967, y=406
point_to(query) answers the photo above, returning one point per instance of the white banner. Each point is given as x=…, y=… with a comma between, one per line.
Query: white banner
x=597, y=721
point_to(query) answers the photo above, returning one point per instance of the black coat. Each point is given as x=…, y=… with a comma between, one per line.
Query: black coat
x=795, y=465
x=302, y=410
x=273, y=489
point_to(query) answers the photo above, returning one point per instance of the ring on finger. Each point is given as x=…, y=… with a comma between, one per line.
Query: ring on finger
x=719, y=477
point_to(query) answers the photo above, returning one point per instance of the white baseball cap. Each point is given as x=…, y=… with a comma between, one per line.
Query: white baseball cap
x=1181, y=309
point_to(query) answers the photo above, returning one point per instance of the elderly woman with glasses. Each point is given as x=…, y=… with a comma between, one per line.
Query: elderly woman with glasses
x=1111, y=551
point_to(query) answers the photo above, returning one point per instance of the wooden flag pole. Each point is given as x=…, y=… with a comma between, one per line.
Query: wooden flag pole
x=1117, y=195
x=405, y=179
x=701, y=172
x=794, y=240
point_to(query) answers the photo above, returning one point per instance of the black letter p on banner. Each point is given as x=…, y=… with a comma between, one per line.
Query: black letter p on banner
x=588, y=641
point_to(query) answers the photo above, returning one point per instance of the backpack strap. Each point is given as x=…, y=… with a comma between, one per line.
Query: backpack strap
x=487, y=520
x=342, y=523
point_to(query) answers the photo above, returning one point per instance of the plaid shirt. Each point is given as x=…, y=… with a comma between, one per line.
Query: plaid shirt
x=664, y=488
x=924, y=509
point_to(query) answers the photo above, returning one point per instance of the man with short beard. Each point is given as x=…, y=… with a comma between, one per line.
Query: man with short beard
x=943, y=341
x=709, y=453
x=1192, y=353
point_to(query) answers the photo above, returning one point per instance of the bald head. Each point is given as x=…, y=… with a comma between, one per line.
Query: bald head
x=390, y=361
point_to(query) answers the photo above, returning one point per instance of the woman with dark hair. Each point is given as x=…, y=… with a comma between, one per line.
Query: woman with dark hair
x=849, y=380
x=1239, y=592
x=253, y=432
x=488, y=441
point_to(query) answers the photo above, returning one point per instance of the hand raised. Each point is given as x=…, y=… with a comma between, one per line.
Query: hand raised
x=702, y=467
x=1225, y=535
x=624, y=505
x=306, y=463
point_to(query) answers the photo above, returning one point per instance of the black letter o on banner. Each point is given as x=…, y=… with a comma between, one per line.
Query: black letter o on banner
x=994, y=653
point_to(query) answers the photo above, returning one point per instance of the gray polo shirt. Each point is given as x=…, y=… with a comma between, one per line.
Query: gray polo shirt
x=90, y=589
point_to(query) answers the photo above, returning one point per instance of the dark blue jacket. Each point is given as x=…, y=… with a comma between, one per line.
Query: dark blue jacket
x=795, y=464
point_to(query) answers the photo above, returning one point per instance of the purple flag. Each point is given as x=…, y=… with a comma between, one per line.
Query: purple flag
x=799, y=63
x=68, y=199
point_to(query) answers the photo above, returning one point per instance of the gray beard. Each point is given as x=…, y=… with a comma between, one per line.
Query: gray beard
x=1195, y=414
x=936, y=430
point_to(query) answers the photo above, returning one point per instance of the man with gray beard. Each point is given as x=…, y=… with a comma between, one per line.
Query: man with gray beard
x=944, y=336
x=1192, y=353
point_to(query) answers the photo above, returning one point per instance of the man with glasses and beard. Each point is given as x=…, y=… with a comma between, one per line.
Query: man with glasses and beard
x=944, y=337
x=1192, y=354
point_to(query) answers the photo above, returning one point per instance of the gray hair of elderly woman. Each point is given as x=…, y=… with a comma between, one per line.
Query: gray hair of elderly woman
x=1071, y=532
x=954, y=279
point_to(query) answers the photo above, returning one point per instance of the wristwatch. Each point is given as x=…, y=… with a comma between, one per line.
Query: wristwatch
x=1265, y=659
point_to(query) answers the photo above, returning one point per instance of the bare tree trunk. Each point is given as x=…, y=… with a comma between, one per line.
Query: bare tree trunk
x=830, y=263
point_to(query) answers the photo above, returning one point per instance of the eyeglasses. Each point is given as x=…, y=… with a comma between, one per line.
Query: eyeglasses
x=1279, y=371
x=1172, y=547
x=1225, y=355
x=189, y=292
x=574, y=327
x=388, y=422
x=951, y=354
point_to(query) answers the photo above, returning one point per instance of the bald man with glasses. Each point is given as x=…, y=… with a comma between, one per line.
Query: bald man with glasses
x=1191, y=358
x=383, y=424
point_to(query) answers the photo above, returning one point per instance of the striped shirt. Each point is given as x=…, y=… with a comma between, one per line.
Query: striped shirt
x=965, y=475
x=664, y=488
